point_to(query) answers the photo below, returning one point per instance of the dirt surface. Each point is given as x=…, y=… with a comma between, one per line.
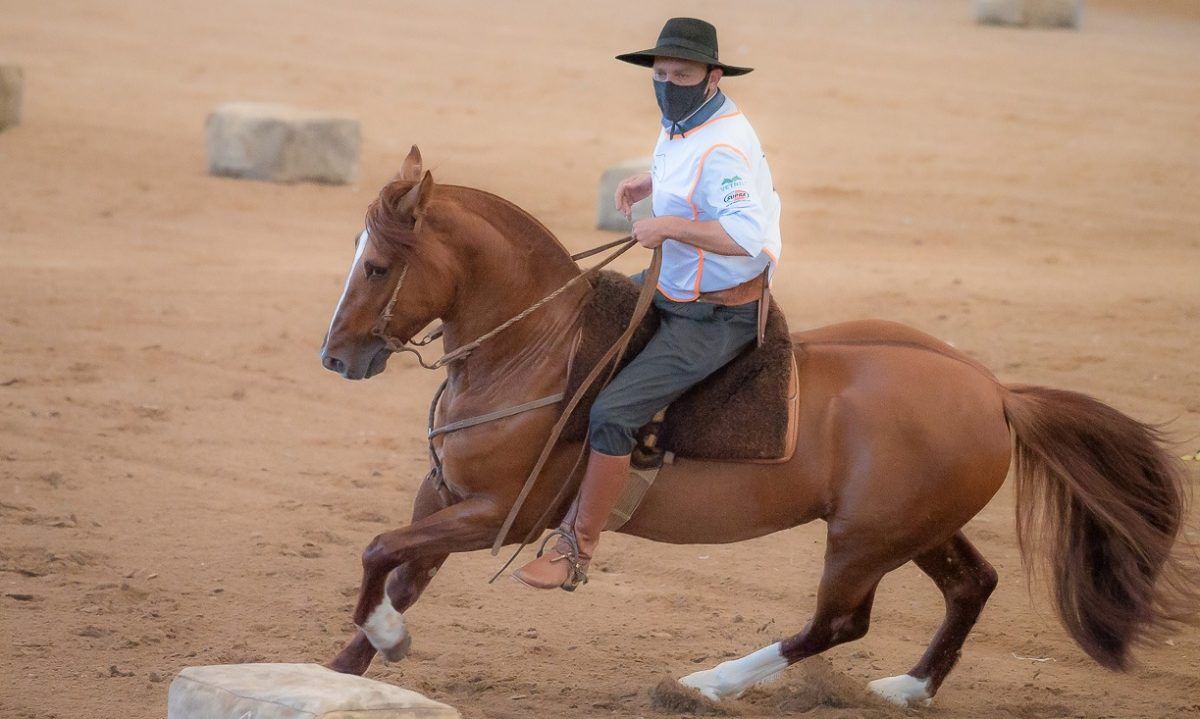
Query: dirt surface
x=182, y=483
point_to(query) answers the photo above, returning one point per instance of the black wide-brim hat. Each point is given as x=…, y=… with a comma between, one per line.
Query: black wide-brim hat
x=685, y=38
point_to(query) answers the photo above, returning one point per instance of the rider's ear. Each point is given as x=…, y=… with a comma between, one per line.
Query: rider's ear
x=412, y=205
x=411, y=169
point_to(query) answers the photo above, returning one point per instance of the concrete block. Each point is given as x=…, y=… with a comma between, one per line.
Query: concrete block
x=292, y=691
x=12, y=89
x=264, y=141
x=607, y=218
x=1030, y=13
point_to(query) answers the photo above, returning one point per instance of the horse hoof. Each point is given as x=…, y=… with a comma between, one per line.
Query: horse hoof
x=398, y=652
x=350, y=662
x=705, y=682
x=902, y=691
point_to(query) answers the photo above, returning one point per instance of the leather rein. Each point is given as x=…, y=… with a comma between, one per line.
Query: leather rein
x=395, y=345
x=610, y=359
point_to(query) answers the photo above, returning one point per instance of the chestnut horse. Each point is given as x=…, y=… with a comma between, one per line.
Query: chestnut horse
x=902, y=439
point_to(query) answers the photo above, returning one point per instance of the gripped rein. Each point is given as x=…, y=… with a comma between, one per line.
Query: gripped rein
x=902, y=440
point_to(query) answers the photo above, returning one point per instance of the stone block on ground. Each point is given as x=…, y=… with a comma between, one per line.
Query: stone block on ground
x=12, y=89
x=607, y=217
x=1030, y=13
x=265, y=141
x=292, y=691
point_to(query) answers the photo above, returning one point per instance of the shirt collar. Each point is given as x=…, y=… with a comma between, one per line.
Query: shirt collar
x=701, y=116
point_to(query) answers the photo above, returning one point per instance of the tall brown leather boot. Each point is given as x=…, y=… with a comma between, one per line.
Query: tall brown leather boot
x=565, y=565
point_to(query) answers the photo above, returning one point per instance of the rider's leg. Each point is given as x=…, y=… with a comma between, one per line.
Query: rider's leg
x=565, y=564
x=691, y=343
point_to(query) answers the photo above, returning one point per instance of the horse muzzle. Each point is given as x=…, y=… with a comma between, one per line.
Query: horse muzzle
x=356, y=365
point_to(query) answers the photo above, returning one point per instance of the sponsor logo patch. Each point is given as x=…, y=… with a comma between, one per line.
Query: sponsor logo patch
x=737, y=196
x=731, y=182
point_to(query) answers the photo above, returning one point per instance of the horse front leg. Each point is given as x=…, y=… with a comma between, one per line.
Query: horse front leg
x=404, y=586
x=398, y=565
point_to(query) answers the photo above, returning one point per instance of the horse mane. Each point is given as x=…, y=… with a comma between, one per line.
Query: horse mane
x=384, y=222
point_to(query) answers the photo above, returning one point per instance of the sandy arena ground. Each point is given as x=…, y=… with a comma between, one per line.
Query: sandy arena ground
x=182, y=483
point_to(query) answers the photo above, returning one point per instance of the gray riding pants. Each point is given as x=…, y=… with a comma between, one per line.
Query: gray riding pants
x=694, y=339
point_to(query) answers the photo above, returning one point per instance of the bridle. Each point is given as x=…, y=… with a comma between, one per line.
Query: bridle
x=396, y=345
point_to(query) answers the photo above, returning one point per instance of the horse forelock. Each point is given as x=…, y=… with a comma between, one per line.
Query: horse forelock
x=384, y=222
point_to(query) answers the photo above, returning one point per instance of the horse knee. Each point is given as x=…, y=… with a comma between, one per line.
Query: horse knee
x=988, y=578
x=974, y=588
x=376, y=555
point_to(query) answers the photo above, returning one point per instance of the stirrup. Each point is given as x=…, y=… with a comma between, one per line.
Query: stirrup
x=577, y=565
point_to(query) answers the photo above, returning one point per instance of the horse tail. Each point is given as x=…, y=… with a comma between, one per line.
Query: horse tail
x=1096, y=490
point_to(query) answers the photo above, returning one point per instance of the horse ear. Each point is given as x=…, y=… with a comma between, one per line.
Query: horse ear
x=412, y=205
x=411, y=169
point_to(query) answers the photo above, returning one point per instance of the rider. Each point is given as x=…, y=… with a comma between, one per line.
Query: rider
x=716, y=216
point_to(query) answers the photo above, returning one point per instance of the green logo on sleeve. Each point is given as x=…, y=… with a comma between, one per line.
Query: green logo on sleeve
x=731, y=182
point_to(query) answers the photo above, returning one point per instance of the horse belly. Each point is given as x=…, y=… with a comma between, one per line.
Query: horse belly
x=699, y=502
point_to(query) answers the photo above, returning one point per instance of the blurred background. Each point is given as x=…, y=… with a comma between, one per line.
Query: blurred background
x=1027, y=194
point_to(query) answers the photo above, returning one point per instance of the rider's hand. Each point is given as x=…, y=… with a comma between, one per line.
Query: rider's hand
x=651, y=231
x=631, y=190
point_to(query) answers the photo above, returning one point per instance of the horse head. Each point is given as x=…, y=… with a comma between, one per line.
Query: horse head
x=397, y=244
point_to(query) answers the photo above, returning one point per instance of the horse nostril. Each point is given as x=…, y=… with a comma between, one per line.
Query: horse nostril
x=334, y=364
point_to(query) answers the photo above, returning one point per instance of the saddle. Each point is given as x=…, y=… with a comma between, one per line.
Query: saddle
x=744, y=412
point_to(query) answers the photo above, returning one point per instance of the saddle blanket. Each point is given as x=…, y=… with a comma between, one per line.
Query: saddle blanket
x=745, y=411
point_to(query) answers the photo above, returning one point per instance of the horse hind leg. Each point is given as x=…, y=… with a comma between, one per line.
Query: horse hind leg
x=843, y=614
x=966, y=581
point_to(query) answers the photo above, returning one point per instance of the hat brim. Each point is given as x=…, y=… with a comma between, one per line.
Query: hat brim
x=645, y=58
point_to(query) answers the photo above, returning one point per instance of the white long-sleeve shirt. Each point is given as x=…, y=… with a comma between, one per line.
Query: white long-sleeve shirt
x=716, y=171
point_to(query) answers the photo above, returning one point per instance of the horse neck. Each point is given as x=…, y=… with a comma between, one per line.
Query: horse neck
x=507, y=262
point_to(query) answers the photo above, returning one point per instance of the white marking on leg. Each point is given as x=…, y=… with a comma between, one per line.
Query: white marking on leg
x=358, y=253
x=902, y=690
x=734, y=677
x=386, y=630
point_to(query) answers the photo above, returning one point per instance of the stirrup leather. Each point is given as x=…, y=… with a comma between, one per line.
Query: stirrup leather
x=576, y=563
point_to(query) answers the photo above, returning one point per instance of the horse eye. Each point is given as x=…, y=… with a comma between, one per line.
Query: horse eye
x=374, y=271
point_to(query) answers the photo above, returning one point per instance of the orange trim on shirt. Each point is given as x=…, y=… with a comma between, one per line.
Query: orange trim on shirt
x=700, y=171
x=673, y=299
x=709, y=122
x=771, y=255
x=699, y=274
x=696, y=210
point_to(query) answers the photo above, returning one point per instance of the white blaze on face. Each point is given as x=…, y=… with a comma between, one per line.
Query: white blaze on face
x=359, y=248
x=734, y=677
x=385, y=627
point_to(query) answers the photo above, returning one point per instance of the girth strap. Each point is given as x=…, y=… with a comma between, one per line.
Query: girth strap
x=494, y=415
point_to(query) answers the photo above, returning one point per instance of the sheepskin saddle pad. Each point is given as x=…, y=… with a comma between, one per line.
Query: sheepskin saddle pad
x=745, y=411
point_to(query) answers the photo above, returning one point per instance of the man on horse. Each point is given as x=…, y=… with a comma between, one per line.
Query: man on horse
x=716, y=217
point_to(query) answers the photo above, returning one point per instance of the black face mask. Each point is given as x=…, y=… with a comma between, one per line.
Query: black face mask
x=678, y=102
